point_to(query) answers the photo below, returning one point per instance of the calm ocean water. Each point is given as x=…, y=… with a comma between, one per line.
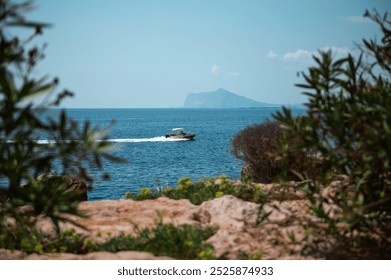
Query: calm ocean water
x=153, y=160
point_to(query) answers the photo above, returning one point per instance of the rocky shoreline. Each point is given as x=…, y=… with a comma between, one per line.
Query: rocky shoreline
x=281, y=228
x=240, y=225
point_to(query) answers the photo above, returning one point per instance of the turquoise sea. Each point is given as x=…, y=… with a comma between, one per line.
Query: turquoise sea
x=154, y=161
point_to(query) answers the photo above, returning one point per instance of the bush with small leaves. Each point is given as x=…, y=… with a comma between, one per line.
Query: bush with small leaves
x=348, y=124
x=24, y=118
x=257, y=146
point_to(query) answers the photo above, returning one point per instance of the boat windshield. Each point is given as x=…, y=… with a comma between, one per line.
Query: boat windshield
x=179, y=131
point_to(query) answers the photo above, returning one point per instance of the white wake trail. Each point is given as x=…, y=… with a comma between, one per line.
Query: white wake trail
x=128, y=140
x=139, y=140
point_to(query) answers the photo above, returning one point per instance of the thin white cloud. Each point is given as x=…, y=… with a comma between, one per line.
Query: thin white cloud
x=272, y=54
x=305, y=56
x=356, y=19
x=217, y=71
x=298, y=55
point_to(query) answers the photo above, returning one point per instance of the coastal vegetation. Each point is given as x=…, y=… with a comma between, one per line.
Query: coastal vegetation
x=257, y=146
x=203, y=190
x=165, y=239
x=347, y=125
x=344, y=137
x=184, y=242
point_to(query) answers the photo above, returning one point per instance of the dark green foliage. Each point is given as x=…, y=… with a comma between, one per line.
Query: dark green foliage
x=257, y=146
x=204, y=190
x=348, y=125
x=254, y=256
x=67, y=241
x=182, y=242
x=23, y=120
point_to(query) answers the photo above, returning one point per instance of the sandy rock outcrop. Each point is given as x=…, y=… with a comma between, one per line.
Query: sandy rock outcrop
x=123, y=255
x=244, y=228
x=120, y=216
x=281, y=228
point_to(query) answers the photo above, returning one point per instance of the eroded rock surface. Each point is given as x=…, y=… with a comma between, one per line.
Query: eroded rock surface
x=244, y=228
x=281, y=228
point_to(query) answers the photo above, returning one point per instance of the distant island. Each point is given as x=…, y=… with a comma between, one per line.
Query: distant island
x=221, y=98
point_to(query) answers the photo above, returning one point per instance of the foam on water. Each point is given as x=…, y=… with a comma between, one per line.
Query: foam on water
x=153, y=139
x=46, y=142
x=128, y=140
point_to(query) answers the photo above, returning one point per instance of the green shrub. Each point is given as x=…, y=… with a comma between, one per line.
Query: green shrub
x=207, y=189
x=67, y=241
x=181, y=242
x=257, y=146
x=348, y=124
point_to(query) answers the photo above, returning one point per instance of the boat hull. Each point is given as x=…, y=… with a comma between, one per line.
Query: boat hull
x=188, y=136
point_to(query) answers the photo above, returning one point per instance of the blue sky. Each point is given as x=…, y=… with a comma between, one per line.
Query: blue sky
x=151, y=54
